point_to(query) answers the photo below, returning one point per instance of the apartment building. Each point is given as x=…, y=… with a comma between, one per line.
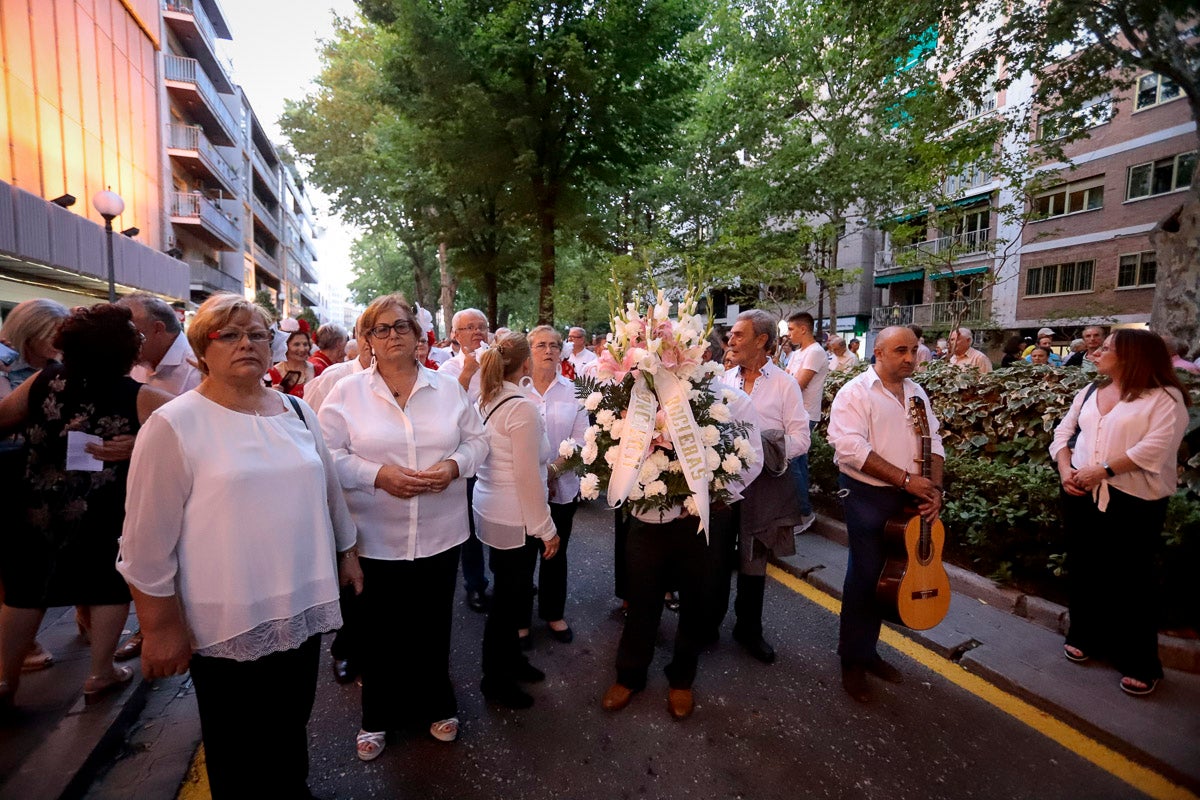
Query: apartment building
x=137, y=97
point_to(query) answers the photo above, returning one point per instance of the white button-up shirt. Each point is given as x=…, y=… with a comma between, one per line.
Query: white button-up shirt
x=581, y=360
x=176, y=373
x=777, y=399
x=865, y=417
x=972, y=358
x=454, y=368
x=316, y=390
x=564, y=418
x=365, y=429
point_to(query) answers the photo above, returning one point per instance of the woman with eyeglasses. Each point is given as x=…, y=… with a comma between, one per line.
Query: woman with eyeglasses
x=405, y=439
x=236, y=539
x=63, y=540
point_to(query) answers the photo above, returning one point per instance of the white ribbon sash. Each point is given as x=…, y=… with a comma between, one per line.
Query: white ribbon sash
x=685, y=436
x=636, y=434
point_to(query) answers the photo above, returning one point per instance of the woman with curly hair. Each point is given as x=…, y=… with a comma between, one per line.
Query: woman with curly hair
x=66, y=552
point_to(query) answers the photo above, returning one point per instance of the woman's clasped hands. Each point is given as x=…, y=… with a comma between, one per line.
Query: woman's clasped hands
x=407, y=483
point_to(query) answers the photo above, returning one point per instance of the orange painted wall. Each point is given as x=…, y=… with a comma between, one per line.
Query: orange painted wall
x=79, y=104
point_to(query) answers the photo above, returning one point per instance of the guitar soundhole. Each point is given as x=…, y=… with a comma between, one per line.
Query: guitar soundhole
x=925, y=594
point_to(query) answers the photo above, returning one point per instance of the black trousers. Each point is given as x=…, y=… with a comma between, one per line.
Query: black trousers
x=254, y=721
x=867, y=510
x=1110, y=574
x=474, y=571
x=512, y=573
x=345, y=645
x=408, y=609
x=725, y=522
x=620, y=536
x=552, y=574
x=659, y=557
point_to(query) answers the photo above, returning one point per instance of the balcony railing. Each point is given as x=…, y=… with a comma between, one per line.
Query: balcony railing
x=187, y=206
x=191, y=137
x=270, y=177
x=954, y=312
x=269, y=218
x=194, y=8
x=266, y=260
x=212, y=279
x=917, y=255
x=187, y=70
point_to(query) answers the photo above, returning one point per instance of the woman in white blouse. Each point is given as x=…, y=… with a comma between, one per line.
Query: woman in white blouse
x=236, y=586
x=564, y=418
x=405, y=439
x=512, y=515
x=1117, y=478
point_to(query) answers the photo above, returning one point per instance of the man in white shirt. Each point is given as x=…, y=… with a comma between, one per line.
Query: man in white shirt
x=962, y=354
x=469, y=328
x=875, y=449
x=840, y=358
x=809, y=365
x=166, y=361
x=771, y=508
x=577, y=351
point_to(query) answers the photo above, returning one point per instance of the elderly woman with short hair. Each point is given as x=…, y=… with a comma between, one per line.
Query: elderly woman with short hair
x=405, y=439
x=29, y=329
x=235, y=540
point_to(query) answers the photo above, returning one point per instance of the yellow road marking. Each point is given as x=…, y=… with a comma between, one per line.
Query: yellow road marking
x=1141, y=778
x=195, y=784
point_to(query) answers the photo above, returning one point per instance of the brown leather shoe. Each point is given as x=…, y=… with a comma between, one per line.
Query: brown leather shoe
x=679, y=703
x=617, y=697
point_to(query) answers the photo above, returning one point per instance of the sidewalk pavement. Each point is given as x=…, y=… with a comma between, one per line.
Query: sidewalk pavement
x=145, y=735
x=1015, y=642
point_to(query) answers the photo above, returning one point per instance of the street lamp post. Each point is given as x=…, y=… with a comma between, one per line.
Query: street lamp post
x=110, y=205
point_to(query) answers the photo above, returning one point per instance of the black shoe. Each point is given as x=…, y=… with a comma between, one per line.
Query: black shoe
x=528, y=673
x=479, y=600
x=854, y=681
x=343, y=671
x=756, y=646
x=506, y=695
x=566, y=636
x=885, y=671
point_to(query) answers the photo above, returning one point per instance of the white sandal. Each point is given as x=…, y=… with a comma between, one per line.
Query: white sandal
x=369, y=745
x=445, y=731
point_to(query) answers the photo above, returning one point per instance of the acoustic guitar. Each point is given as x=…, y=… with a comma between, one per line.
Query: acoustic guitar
x=913, y=588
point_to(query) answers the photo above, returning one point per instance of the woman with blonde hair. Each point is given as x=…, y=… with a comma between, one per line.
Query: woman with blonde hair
x=405, y=439
x=236, y=539
x=512, y=515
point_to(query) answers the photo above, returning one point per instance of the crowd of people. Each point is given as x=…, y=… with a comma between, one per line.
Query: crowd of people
x=250, y=495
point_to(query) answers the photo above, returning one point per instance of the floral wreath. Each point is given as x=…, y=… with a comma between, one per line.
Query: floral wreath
x=663, y=436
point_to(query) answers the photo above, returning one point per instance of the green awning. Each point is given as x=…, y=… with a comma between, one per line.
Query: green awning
x=958, y=273
x=969, y=201
x=884, y=280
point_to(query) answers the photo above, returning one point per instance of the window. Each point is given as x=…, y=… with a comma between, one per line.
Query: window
x=1160, y=177
x=974, y=175
x=1071, y=198
x=1096, y=111
x=1075, y=276
x=1154, y=89
x=1137, y=269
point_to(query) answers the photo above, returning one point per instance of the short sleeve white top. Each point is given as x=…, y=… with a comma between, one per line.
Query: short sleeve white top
x=815, y=358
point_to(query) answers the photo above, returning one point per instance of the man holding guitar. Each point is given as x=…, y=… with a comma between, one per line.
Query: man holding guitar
x=880, y=459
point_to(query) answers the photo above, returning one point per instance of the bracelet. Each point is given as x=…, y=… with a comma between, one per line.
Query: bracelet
x=353, y=551
x=907, y=478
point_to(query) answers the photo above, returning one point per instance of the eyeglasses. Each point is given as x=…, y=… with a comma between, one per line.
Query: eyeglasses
x=542, y=347
x=400, y=326
x=233, y=336
x=471, y=329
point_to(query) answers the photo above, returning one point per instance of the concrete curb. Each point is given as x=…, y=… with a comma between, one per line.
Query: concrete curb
x=1175, y=652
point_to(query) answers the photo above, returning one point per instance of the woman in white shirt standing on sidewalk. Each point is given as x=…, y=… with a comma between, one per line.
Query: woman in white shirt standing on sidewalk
x=564, y=418
x=512, y=515
x=405, y=439
x=1117, y=478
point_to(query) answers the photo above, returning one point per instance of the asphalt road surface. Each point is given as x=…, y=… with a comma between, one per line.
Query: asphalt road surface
x=760, y=732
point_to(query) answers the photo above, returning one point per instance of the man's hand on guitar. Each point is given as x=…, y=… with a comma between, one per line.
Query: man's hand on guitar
x=929, y=496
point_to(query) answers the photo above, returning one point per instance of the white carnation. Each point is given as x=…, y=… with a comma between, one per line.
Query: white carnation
x=610, y=456
x=636, y=493
x=713, y=458
x=741, y=446
x=589, y=436
x=674, y=466
x=693, y=395
x=589, y=486
x=709, y=435
x=593, y=401
x=605, y=419
x=689, y=505
x=720, y=412
x=655, y=489
x=649, y=472
x=728, y=395
x=589, y=453
x=568, y=448
x=615, y=431
x=732, y=464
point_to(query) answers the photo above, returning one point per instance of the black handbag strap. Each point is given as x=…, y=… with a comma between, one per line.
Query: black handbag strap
x=496, y=407
x=296, y=407
x=1075, y=436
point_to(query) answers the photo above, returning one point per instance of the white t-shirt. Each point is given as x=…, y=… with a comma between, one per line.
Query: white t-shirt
x=812, y=357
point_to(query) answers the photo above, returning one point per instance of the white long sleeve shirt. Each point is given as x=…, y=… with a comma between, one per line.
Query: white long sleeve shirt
x=510, y=490
x=366, y=428
x=777, y=399
x=1148, y=430
x=564, y=418
x=239, y=516
x=454, y=368
x=865, y=417
x=316, y=390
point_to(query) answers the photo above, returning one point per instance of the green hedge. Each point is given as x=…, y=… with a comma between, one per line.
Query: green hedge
x=1001, y=511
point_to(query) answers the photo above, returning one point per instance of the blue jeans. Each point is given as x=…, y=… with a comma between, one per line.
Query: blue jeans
x=799, y=469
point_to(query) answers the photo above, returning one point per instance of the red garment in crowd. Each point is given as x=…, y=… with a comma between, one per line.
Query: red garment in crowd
x=568, y=370
x=319, y=361
x=277, y=378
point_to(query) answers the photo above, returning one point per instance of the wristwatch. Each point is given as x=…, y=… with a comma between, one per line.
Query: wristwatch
x=1109, y=470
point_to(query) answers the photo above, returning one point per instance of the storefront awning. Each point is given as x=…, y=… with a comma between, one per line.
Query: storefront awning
x=956, y=273
x=899, y=277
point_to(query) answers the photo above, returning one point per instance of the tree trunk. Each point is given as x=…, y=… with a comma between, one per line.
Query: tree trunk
x=448, y=288
x=833, y=287
x=546, y=279
x=491, y=294
x=1176, y=242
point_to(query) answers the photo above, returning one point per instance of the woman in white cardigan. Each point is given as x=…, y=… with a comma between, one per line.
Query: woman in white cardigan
x=512, y=515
